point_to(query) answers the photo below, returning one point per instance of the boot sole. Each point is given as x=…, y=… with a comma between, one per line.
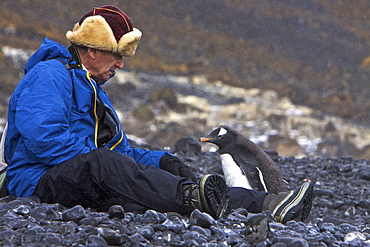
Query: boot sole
x=296, y=205
x=212, y=192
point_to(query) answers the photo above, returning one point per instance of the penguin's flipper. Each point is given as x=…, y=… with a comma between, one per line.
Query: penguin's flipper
x=255, y=178
x=261, y=179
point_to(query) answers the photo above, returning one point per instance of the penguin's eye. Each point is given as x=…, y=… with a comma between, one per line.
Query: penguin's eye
x=220, y=136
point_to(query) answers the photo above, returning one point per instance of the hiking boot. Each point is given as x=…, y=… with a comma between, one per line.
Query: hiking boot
x=209, y=196
x=294, y=204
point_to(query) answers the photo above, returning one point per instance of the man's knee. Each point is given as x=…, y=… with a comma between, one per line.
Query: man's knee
x=106, y=155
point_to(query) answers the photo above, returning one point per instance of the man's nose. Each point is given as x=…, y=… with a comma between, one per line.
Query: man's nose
x=120, y=63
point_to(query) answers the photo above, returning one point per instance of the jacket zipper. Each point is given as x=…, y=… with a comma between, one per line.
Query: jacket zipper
x=95, y=114
x=97, y=119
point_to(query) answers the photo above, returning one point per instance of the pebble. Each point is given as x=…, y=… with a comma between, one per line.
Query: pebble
x=339, y=216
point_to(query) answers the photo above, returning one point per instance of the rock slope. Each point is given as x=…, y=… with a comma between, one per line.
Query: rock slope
x=162, y=109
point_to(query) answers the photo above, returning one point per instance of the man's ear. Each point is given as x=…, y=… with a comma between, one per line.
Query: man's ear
x=92, y=52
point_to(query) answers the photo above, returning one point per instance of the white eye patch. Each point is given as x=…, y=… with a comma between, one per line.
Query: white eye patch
x=222, y=132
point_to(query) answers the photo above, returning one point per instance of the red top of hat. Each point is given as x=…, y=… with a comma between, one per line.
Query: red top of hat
x=119, y=22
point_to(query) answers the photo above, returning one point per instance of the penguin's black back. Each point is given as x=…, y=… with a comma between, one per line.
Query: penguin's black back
x=248, y=156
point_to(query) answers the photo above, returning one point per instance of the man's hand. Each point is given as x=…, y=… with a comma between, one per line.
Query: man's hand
x=175, y=166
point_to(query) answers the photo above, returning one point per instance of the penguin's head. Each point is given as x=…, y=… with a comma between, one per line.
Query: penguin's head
x=222, y=136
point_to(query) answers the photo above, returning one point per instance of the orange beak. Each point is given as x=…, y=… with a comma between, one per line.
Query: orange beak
x=204, y=139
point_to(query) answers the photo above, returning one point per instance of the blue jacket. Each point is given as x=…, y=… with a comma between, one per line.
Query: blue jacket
x=52, y=118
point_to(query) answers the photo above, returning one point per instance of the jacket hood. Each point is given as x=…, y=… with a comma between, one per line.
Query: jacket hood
x=47, y=50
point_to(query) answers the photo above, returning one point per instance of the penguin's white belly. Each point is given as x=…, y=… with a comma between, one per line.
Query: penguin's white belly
x=234, y=176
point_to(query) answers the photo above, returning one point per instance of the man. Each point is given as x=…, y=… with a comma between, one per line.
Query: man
x=66, y=144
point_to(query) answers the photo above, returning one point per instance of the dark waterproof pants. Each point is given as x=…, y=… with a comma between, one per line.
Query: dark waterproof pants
x=103, y=178
x=251, y=200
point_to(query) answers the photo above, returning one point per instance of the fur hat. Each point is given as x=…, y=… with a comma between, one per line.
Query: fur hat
x=106, y=28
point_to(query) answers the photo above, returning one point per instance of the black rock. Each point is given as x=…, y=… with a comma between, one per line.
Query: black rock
x=256, y=229
x=68, y=228
x=201, y=219
x=51, y=239
x=147, y=232
x=22, y=209
x=116, y=211
x=194, y=237
x=291, y=241
x=201, y=230
x=151, y=216
x=96, y=241
x=74, y=214
x=167, y=236
x=137, y=238
x=109, y=235
x=188, y=148
x=175, y=224
x=89, y=221
x=339, y=216
x=364, y=174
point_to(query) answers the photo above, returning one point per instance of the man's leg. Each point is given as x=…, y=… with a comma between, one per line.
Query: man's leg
x=102, y=178
x=251, y=200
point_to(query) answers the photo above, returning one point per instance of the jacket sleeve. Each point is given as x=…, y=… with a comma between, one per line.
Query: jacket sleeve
x=42, y=114
x=143, y=156
x=146, y=157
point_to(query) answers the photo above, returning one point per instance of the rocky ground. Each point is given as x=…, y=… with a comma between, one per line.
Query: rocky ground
x=339, y=216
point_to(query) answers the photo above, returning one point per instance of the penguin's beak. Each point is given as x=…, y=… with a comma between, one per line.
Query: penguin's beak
x=205, y=139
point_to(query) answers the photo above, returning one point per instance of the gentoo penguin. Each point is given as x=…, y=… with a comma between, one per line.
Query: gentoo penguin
x=245, y=164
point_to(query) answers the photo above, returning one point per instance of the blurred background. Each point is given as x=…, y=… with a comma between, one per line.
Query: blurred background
x=292, y=75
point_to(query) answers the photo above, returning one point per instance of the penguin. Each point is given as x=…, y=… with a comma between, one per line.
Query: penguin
x=244, y=163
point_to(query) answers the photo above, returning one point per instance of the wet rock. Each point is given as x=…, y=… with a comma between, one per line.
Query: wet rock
x=89, y=221
x=201, y=219
x=347, y=228
x=194, y=236
x=74, y=214
x=256, y=229
x=33, y=235
x=354, y=237
x=96, y=241
x=201, y=230
x=6, y=233
x=22, y=210
x=68, y=228
x=232, y=237
x=147, y=232
x=365, y=204
x=51, y=239
x=167, y=236
x=292, y=241
x=4, y=208
x=151, y=216
x=340, y=192
x=334, y=220
x=364, y=174
x=27, y=201
x=175, y=224
x=112, y=237
x=137, y=238
x=116, y=211
x=188, y=148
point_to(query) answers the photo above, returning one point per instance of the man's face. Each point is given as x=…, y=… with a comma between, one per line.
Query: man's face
x=104, y=65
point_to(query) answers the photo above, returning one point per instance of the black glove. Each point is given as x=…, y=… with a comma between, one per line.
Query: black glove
x=175, y=166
